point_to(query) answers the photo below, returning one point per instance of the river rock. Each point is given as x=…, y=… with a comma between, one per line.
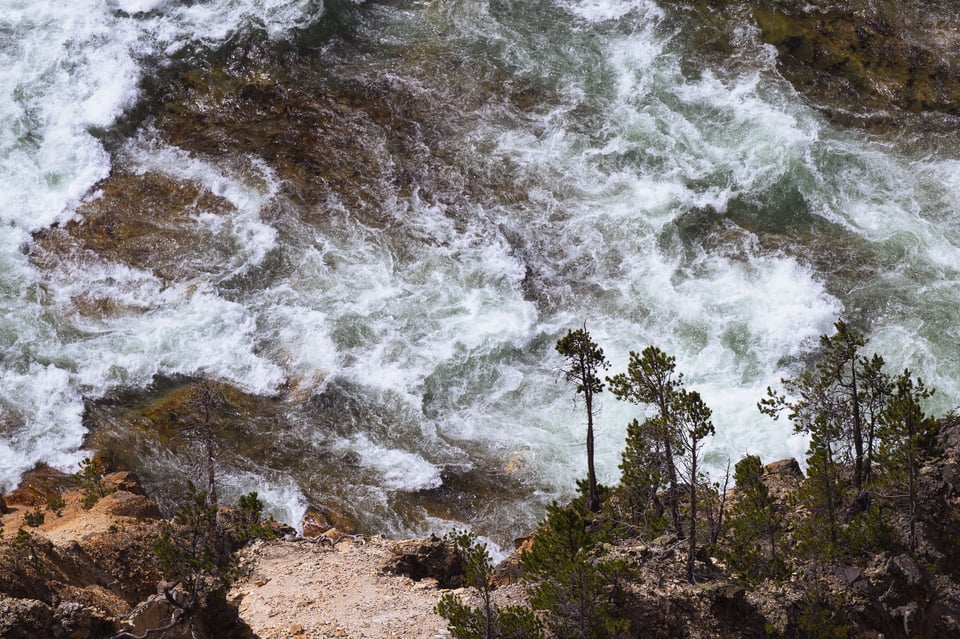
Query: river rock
x=148, y=221
x=319, y=521
x=874, y=63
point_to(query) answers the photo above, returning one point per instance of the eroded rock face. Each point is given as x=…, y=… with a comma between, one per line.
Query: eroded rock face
x=25, y=618
x=77, y=572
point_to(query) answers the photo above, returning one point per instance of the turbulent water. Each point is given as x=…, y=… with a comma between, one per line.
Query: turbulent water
x=579, y=161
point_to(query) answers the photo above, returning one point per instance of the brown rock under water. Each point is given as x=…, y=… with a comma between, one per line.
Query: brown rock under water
x=147, y=221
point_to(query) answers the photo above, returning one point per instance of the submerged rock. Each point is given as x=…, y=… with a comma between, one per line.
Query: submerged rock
x=867, y=65
x=147, y=221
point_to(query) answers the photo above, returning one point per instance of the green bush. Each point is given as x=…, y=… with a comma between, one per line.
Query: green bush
x=90, y=476
x=251, y=523
x=487, y=621
x=579, y=595
x=35, y=518
x=56, y=504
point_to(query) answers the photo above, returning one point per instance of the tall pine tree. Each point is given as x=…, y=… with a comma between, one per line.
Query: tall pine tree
x=583, y=361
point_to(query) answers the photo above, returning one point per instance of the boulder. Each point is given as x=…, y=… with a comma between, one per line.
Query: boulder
x=122, y=480
x=782, y=477
x=510, y=569
x=154, y=612
x=124, y=504
x=24, y=618
x=422, y=558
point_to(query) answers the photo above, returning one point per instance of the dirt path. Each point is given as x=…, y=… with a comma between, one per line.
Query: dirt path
x=307, y=591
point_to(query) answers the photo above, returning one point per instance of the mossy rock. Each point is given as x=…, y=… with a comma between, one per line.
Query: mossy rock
x=865, y=62
x=322, y=143
x=138, y=422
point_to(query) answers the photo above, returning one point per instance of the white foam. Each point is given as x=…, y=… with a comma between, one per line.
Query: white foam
x=398, y=469
x=604, y=10
x=77, y=66
x=44, y=399
x=282, y=498
x=182, y=329
x=249, y=190
x=71, y=71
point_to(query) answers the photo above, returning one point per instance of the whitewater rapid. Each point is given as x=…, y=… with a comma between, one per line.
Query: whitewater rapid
x=660, y=205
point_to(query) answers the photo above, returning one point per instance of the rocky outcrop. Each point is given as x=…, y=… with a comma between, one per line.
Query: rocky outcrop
x=30, y=619
x=75, y=574
x=782, y=477
x=432, y=558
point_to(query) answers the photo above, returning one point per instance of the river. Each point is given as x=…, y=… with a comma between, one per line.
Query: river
x=408, y=203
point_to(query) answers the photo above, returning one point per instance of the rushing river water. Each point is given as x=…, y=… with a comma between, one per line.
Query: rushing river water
x=562, y=162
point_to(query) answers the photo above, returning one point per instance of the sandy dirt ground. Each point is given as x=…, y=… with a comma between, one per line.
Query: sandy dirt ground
x=305, y=590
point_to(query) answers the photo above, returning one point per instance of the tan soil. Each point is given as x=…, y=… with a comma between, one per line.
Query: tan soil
x=76, y=522
x=308, y=591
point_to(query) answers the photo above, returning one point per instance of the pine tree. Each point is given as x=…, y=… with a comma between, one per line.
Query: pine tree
x=583, y=362
x=693, y=425
x=907, y=438
x=204, y=429
x=194, y=557
x=756, y=531
x=643, y=476
x=576, y=592
x=488, y=621
x=839, y=401
x=821, y=495
x=651, y=380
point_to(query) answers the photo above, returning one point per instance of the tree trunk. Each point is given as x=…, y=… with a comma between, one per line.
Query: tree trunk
x=692, y=541
x=591, y=472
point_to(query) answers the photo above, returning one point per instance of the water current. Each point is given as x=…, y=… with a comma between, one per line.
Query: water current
x=565, y=161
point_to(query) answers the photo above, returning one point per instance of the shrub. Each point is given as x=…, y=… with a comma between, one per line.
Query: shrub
x=56, y=504
x=250, y=524
x=90, y=476
x=35, y=518
x=487, y=621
